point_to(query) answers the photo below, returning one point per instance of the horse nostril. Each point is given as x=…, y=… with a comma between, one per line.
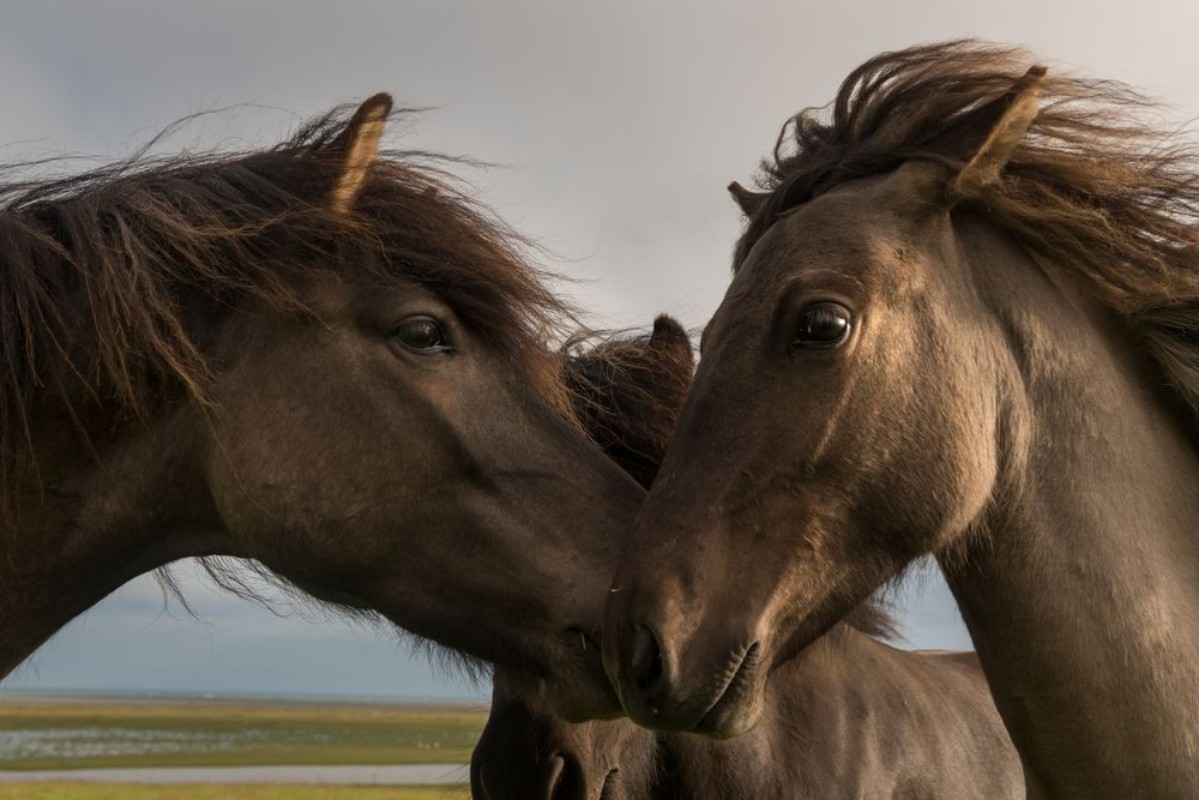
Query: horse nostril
x=646, y=665
x=566, y=780
x=609, y=788
x=553, y=781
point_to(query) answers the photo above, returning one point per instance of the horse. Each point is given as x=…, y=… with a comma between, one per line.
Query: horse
x=322, y=357
x=848, y=717
x=962, y=322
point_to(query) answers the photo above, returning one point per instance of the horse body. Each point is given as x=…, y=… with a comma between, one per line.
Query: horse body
x=313, y=356
x=961, y=323
x=853, y=717
x=849, y=717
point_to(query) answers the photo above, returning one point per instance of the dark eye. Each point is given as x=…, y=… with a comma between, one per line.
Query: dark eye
x=422, y=334
x=821, y=325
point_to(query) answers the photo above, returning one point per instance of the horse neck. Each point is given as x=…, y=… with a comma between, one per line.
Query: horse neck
x=1081, y=587
x=88, y=515
x=846, y=713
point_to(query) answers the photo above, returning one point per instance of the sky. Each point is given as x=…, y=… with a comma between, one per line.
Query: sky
x=611, y=129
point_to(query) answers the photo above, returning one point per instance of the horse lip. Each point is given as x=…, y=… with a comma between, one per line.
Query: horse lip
x=727, y=698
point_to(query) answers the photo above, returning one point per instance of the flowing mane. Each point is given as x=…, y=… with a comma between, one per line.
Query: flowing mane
x=110, y=279
x=1094, y=188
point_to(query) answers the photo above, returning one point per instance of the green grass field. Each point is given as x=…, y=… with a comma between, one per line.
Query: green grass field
x=77, y=735
x=126, y=791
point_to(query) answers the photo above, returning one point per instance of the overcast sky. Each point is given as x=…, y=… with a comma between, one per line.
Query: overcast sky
x=617, y=124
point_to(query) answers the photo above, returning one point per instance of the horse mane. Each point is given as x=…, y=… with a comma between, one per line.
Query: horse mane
x=1095, y=188
x=628, y=390
x=111, y=280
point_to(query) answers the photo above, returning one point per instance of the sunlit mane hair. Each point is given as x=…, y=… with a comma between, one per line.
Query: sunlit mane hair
x=1097, y=188
x=628, y=390
x=110, y=281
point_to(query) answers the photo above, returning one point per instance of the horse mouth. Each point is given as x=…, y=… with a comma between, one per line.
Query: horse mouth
x=726, y=717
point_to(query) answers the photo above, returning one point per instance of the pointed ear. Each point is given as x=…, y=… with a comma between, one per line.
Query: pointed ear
x=358, y=147
x=670, y=337
x=749, y=202
x=1016, y=111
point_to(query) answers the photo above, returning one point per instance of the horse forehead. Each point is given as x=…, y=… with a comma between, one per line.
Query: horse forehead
x=865, y=228
x=351, y=293
x=838, y=236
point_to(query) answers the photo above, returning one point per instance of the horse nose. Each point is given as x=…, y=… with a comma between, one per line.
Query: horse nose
x=672, y=682
x=648, y=688
x=559, y=778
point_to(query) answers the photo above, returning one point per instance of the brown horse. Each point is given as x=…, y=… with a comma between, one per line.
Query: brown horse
x=849, y=717
x=317, y=356
x=962, y=322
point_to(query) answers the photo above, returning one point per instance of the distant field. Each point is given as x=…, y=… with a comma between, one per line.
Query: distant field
x=125, y=791
x=78, y=735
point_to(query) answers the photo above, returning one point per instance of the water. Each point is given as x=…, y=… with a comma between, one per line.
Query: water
x=400, y=775
x=99, y=742
x=77, y=738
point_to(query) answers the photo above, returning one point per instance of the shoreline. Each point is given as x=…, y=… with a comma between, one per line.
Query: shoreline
x=316, y=774
x=40, y=697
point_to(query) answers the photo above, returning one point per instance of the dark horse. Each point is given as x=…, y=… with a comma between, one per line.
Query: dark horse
x=316, y=356
x=849, y=717
x=963, y=321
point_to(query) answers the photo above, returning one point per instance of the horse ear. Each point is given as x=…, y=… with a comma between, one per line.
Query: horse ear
x=358, y=147
x=670, y=336
x=749, y=202
x=1016, y=111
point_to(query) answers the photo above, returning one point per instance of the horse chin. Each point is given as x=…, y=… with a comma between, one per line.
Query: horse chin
x=583, y=702
x=583, y=694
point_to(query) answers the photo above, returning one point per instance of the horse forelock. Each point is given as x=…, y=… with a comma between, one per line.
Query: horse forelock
x=1098, y=186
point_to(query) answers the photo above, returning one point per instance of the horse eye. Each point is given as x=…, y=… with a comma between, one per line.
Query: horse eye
x=421, y=334
x=822, y=325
